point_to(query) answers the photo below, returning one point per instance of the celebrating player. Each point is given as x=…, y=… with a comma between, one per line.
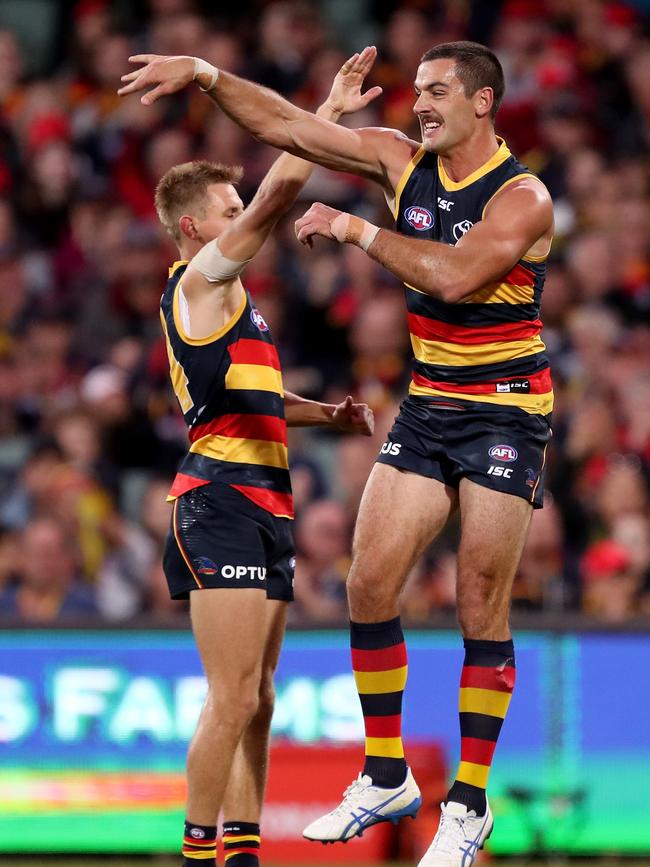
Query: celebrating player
x=474, y=228
x=230, y=535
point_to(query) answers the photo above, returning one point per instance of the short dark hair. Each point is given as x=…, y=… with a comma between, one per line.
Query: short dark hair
x=185, y=186
x=476, y=67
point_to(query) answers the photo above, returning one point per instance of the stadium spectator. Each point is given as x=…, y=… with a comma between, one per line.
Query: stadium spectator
x=86, y=412
x=48, y=587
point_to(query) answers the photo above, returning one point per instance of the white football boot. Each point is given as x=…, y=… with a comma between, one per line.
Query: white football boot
x=460, y=836
x=364, y=805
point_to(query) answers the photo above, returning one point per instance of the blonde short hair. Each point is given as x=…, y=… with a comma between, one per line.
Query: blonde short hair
x=184, y=188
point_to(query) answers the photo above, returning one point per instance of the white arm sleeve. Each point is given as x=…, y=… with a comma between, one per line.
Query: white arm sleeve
x=214, y=266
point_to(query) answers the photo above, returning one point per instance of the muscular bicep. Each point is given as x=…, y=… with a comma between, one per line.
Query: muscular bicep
x=375, y=153
x=517, y=221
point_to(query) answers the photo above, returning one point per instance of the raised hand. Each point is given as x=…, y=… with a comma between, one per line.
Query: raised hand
x=164, y=75
x=345, y=96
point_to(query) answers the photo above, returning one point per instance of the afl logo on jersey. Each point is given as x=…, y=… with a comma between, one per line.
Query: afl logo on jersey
x=460, y=229
x=419, y=218
x=258, y=320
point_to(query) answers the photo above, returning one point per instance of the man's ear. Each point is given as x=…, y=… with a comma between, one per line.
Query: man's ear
x=187, y=227
x=483, y=101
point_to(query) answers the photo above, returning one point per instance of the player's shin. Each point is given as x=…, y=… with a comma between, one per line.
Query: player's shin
x=486, y=685
x=380, y=665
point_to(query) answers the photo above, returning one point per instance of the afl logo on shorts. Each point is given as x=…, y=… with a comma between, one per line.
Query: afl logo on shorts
x=258, y=320
x=504, y=453
x=419, y=218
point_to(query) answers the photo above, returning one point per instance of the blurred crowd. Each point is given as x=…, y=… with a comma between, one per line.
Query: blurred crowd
x=89, y=430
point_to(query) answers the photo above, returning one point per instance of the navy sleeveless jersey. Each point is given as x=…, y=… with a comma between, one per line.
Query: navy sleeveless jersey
x=229, y=387
x=488, y=347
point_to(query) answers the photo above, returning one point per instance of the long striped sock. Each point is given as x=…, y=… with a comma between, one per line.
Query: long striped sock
x=241, y=844
x=486, y=686
x=199, y=845
x=380, y=669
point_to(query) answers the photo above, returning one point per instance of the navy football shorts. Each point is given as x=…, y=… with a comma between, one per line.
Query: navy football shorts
x=500, y=448
x=220, y=538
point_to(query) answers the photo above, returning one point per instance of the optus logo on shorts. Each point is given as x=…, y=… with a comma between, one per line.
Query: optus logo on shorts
x=420, y=218
x=504, y=453
x=258, y=320
x=238, y=572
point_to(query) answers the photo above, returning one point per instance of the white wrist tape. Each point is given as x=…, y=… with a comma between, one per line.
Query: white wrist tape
x=215, y=267
x=203, y=66
x=348, y=229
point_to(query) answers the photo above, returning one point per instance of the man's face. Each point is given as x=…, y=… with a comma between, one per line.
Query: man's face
x=222, y=205
x=447, y=116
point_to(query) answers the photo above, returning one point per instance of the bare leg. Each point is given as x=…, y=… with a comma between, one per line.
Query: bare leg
x=494, y=527
x=493, y=530
x=231, y=649
x=245, y=790
x=399, y=515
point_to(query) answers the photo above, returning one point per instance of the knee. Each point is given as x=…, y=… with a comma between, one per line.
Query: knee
x=368, y=593
x=234, y=707
x=266, y=699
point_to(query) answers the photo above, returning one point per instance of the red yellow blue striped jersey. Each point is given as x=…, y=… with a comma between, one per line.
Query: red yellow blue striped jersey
x=488, y=347
x=229, y=387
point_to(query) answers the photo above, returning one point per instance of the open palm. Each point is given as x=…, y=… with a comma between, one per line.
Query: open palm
x=345, y=96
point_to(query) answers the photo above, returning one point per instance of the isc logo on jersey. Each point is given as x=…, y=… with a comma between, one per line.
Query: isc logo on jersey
x=504, y=453
x=419, y=218
x=258, y=320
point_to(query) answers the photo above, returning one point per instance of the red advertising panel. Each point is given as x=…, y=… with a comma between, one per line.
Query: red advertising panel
x=305, y=782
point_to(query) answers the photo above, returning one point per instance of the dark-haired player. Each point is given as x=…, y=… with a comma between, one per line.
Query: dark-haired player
x=230, y=547
x=474, y=228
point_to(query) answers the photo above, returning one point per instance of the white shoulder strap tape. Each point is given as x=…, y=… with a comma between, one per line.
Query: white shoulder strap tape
x=215, y=267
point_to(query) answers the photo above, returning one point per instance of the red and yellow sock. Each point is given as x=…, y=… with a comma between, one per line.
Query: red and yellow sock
x=380, y=667
x=241, y=844
x=486, y=685
x=199, y=845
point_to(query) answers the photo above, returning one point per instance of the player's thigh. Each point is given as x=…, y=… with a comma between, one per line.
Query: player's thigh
x=399, y=515
x=494, y=526
x=230, y=627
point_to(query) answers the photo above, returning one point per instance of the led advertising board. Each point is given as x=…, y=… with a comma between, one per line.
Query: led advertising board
x=94, y=727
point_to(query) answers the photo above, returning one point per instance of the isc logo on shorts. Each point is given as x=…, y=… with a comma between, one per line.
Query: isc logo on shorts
x=420, y=218
x=506, y=472
x=390, y=449
x=504, y=453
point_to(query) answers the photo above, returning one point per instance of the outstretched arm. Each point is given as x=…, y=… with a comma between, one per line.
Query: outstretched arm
x=347, y=416
x=288, y=174
x=516, y=220
x=379, y=154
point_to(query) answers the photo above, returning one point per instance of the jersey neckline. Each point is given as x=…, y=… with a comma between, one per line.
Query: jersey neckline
x=499, y=156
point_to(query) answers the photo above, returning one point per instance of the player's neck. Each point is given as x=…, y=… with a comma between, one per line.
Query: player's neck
x=470, y=155
x=188, y=250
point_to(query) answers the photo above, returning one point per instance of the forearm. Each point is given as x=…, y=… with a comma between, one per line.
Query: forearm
x=300, y=412
x=434, y=268
x=261, y=111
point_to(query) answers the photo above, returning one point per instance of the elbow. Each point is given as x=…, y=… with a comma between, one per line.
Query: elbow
x=451, y=291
